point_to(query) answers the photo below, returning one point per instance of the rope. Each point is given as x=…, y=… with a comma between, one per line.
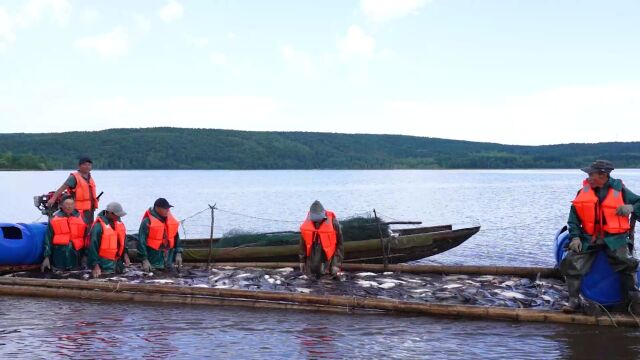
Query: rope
x=632, y=314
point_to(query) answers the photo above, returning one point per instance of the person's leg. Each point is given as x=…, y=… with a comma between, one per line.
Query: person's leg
x=627, y=266
x=574, y=266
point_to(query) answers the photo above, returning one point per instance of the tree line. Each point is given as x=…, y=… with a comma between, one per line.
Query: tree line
x=179, y=148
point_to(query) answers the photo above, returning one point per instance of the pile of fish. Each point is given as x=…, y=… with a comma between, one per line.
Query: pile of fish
x=487, y=290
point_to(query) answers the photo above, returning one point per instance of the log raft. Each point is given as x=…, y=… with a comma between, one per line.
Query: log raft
x=77, y=289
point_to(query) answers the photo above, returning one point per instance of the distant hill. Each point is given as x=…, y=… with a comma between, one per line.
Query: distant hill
x=178, y=148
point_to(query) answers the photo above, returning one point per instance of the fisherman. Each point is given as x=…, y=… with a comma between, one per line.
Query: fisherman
x=321, y=248
x=599, y=220
x=158, y=240
x=107, y=251
x=83, y=189
x=64, y=237
x=81, y=185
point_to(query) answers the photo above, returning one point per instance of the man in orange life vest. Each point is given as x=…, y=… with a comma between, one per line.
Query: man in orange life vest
x=107, y=251
x=83, y=190
x=599, y=219
x=158, y=241
x=64, y=237
x=321, y=248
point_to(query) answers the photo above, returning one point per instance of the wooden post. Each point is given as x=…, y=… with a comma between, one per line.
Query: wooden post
x=213, y=218
x=385, y=261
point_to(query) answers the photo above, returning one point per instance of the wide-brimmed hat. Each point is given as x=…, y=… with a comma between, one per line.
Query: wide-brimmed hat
x=603, y=166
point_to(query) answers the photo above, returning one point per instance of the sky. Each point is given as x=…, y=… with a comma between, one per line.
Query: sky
x=506, y=71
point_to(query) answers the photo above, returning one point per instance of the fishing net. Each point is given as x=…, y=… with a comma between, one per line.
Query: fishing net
x=353, y=228
x=235, y=238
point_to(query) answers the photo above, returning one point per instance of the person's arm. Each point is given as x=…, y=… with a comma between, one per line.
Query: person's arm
x=177, y=242
x=574, y=224
x=631, y=199
x=48, y=238
x=339, y=254
x=143, y=233
x=94, y=246
x=302, y=250
x=70, y=183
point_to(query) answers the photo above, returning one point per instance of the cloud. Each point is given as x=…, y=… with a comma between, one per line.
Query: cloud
x=298, y=61
x=110, y=45
x=198, y=41
x=560, y=115
x=7, y=34
x=384, y=10
x=171, y=12
x=356, y=44
x=218, y=58
x=141, y=23
x=30, y=15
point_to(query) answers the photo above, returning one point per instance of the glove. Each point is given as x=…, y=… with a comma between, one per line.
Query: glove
x=45, y=264
x=179, y=260
x=146, y=265
x=96, y=271
x=575, y=245
x=624, y=210
x=127, y=262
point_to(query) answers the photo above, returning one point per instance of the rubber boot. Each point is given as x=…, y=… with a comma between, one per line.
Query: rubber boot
x=631, y=292
x=573, y=286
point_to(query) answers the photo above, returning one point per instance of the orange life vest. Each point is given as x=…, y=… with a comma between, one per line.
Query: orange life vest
x=84, y=193
x=597, y=217
x=68, y=229
x=112, y=241
x=325, y=232
x=161, y=232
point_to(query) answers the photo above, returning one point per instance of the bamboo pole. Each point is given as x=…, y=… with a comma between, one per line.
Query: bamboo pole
x=7, y=285
x=544, y=272
x=38, y=291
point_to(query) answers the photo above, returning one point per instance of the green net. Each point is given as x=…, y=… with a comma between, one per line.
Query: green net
x=353, y=229
x=237, y=238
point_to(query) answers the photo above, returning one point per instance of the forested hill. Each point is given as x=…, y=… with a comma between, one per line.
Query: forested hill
x=177, y=148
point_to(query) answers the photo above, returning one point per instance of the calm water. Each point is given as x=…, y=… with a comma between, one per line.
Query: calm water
x=520, y=211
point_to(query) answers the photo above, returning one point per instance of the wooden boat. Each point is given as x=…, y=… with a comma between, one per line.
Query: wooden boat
x=406, y=245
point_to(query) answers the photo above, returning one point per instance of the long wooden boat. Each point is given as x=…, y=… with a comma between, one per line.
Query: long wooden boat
x=406, y=245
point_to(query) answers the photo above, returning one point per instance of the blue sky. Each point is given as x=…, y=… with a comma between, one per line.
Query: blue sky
x=517, y=72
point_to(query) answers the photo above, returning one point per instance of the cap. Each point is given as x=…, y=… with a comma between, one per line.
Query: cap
x=116, y=208
x=317, y=212
x=162, y=203
x=603, y=166
x=84, y=159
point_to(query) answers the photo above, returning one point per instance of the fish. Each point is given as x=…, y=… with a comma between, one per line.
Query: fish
x=387, y=285
x=443, y=295
x=365, y=283
x=161, y=281
x=452, y=286
x=285, y=270
x=243, y=276
x=455, y=277
x=391, y=280
x=511, y=295
x=303, y=290
x=363, y=274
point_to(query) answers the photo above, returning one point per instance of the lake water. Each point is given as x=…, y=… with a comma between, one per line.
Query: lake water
x=519, y=212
